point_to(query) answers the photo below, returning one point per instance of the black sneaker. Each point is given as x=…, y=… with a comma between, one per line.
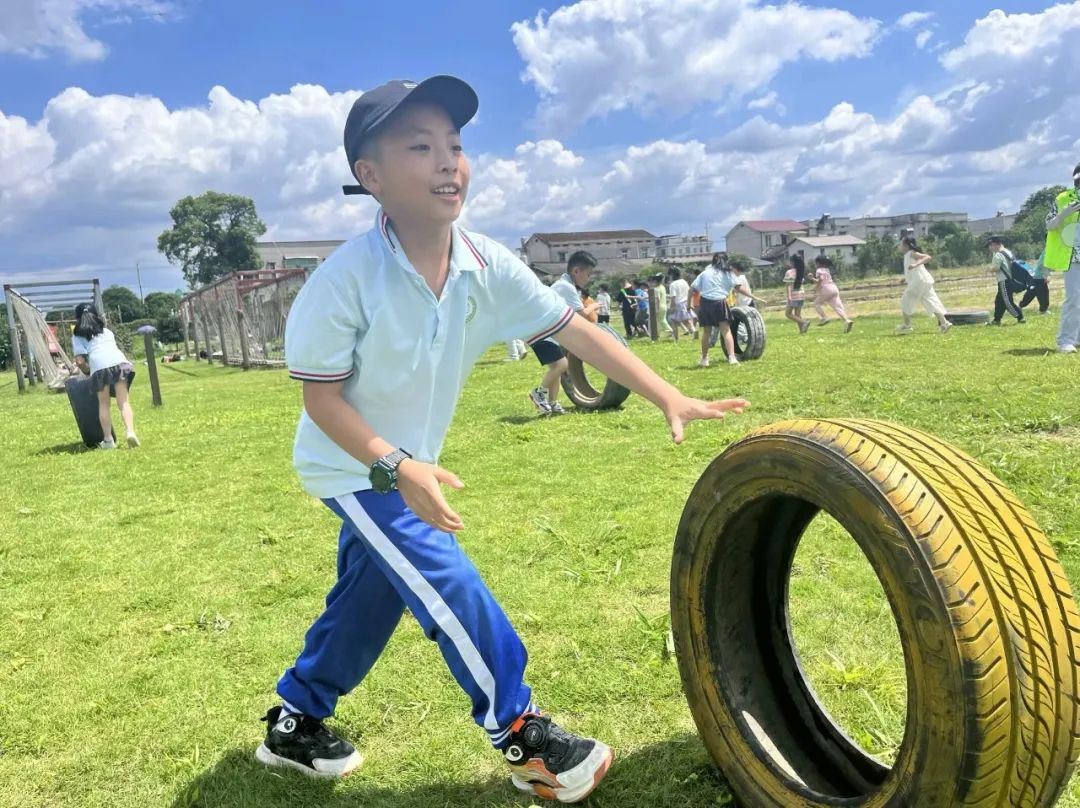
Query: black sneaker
x=304, y=743
x=548, y=761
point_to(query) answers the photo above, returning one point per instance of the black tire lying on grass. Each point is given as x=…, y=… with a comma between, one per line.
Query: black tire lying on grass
x=748, y=330
x=578, y=388
x=968, y=317
x=984, y=611
x=84, y=406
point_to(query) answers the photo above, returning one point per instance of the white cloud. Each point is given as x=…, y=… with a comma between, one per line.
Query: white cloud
x=914, y=18
x=922, y=38
x=1003, y=42
x=36, y=27
x=91, y=181
x=768, y=101
x=103, y=171
x=595, y=57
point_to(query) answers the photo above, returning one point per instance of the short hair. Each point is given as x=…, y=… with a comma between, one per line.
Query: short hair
x=738, y=263
x=674, y=273
x=996, y=240
x=823, y=261
x=603, y=287
x=581, y=258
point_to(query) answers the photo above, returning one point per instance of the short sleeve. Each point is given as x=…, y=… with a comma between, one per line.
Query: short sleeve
x=527, y=309
x=79, y=346
x=322, y=330
x=696, y=285
x=569, y=295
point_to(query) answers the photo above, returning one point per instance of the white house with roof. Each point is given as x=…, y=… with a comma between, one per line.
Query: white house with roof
x=678, y=248
x=759, y=236
x=842, y=249
x=294, y=254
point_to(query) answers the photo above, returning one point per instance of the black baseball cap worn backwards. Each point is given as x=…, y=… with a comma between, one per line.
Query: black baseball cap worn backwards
x=374, y=107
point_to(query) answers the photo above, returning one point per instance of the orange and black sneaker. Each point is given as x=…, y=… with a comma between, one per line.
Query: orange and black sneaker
x=548, y=761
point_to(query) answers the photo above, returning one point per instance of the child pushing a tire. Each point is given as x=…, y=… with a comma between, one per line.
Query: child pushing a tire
x=111, y=373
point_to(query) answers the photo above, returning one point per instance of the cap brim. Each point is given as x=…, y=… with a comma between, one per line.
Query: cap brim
x=354, y=190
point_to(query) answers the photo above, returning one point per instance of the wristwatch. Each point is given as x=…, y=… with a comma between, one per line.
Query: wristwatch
x=383, y=474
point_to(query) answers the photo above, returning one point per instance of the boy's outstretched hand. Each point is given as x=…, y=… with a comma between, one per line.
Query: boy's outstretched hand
x=682, y=410
x=420, y=485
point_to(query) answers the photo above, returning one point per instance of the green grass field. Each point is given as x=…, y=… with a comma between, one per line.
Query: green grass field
x=152, y=598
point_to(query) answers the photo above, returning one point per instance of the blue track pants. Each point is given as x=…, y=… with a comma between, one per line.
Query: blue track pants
x=389, y=559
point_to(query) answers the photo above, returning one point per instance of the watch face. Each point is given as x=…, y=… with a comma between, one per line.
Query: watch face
x=380, y=479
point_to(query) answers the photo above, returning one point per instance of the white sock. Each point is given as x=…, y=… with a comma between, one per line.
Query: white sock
x=288, y=709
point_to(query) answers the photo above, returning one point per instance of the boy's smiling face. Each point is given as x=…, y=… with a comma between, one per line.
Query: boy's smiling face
x=416, y=168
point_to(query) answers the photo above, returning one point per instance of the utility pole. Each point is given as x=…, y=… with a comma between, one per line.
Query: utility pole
x=138, y=275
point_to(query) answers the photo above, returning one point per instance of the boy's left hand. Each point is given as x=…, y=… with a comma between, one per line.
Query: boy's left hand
x=683, y=410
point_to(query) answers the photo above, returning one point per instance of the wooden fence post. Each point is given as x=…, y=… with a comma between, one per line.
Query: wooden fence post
x=221, y=336
x=209, y=346
x=151, y=367
x=16, y=349
x=245, y=353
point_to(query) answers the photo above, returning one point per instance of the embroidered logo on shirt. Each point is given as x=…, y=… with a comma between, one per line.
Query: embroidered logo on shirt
x=470, y=309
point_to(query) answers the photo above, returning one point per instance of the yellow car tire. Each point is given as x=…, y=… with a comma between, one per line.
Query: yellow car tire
x=990, y=631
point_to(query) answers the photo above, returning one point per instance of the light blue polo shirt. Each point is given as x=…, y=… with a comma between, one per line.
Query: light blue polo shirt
x=367, y=318
x=714, y=284
x=564, y=287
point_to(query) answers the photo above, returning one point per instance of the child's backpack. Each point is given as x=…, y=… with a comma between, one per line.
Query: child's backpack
x=1020, y=278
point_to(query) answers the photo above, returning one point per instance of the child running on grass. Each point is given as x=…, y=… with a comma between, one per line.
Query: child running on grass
x=661, y=295
x=1002, y=259
x=716, y=283
x=111, y=373
x=828, y=293
x=549, y=352
x=793, y=281
x=603, y=314
x=679, y=313
x=920, y=288
x=383, y=336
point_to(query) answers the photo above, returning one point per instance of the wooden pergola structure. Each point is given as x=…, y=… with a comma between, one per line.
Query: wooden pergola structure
x=45, y=296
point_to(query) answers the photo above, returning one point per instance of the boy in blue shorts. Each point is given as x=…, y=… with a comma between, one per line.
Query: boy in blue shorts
x=383, y=336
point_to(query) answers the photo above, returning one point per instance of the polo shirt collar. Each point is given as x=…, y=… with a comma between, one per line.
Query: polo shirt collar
x=464, y=255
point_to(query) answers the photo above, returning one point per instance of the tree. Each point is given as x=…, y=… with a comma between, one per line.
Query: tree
x=161, y=304
x=942, y=230
x=169, y=329
x=1030, y=225
x=121, y=301
x=961, y=248
x=212, y=235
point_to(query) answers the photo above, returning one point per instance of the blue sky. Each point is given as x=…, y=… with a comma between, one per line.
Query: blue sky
x=665, y=115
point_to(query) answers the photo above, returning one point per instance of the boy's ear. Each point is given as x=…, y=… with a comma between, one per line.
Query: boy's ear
x=367, y=173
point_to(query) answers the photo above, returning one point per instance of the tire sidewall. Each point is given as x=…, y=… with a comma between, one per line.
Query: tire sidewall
x=930, y=755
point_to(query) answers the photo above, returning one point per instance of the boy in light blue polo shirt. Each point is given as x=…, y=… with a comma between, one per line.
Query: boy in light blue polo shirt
x=383, y=336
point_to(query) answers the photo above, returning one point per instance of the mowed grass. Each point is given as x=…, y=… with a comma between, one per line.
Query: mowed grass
x=152, y=598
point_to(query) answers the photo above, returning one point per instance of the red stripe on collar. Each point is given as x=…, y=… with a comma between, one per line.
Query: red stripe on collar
x=481, y=263
x=384, y=226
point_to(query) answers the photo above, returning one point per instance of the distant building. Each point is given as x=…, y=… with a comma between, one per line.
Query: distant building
x=828, y=225
x=996, y=224
x=842, y=249
x=616, y=250
x=294, y=254
x=880, y=226
x=756, y=238
x=680, y=248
